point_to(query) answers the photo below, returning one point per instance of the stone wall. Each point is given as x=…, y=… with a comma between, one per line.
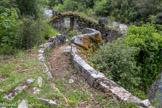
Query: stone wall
x=108, y=34
x=97, y=79
x=94, y=78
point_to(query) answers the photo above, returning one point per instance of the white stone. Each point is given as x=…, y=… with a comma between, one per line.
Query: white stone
x=36, y=90
x=71, y=81
x=40, y=81
x=146, y=102
x=48, y=101
x=67, y=49
x=23, y=104
x=29, y=81
x=42, y=59
x=123, y=27
x=41, y=50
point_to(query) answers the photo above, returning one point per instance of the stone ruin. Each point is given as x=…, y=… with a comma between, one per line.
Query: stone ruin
x=79, y=45
x=108, y=34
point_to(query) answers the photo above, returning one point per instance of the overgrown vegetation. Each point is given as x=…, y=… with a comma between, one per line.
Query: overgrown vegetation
x=17, y=69
x=134, y=58
x=21, y=25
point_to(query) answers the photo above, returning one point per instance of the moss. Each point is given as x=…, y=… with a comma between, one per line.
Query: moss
x=90, y=44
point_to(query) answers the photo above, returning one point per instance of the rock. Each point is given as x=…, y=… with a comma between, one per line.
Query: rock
x=36, y=90
x=123, y=27
x=155, y=91
x=51, y=39
x=71, y=81
x=87, y=41
x=60, y=39
x=67, y=50
x=48, y=101
x=103, y=21
x=23, y=104
x=42, y=59
x=146, y=102
x=29, y=81
x=40, y=81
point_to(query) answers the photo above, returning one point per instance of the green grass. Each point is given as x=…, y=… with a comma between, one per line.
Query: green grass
x=80, y=92
x=25, y=65
x=17, y=69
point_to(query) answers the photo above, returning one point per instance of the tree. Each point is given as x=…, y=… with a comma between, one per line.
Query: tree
x=29, y=7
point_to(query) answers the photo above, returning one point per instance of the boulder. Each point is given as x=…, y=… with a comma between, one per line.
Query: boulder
x=155, y=92
x=103, y=21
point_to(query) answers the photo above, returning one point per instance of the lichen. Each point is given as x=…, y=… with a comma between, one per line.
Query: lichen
x=90, y=44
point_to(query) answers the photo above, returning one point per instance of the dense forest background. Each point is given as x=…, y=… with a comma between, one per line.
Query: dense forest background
x=127, y=11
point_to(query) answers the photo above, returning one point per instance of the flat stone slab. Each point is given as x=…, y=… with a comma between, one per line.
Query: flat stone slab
x=11, y=94
x=23, y=104
x=67, y=50
x=48, y=101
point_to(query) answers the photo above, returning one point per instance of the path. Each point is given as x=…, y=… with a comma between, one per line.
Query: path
x=75, y=89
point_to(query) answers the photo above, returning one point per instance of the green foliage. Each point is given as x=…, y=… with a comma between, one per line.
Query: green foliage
x=117, y=63
x=148, y=42
x=32, y=32
x=6, y=4
x=29, y=7
x=8, y=28
x=75, y=5
x=47, y=31
x=101, y=8
x=134, y=58
x=129, y=11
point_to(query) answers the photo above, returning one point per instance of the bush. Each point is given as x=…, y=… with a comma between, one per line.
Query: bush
x=47, y=31
x=135, y=56
x=8, y=29
x=149, y=43
x=101, y=8
x=117, y=63
x=31, y=32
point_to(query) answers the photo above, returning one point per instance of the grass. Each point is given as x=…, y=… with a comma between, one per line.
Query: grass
x=17, y=69
x=25, y=65
x=85, y=95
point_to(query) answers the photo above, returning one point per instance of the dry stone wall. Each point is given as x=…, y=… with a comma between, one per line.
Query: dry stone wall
x=94, y=78
x=97, y=79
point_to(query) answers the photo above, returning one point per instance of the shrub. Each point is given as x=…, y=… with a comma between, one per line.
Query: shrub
x=149, y=43
x=101, y=8
x=135, y=56
x=29, y=33
x=47, y=31
x=8, y=28
x=117, y=63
